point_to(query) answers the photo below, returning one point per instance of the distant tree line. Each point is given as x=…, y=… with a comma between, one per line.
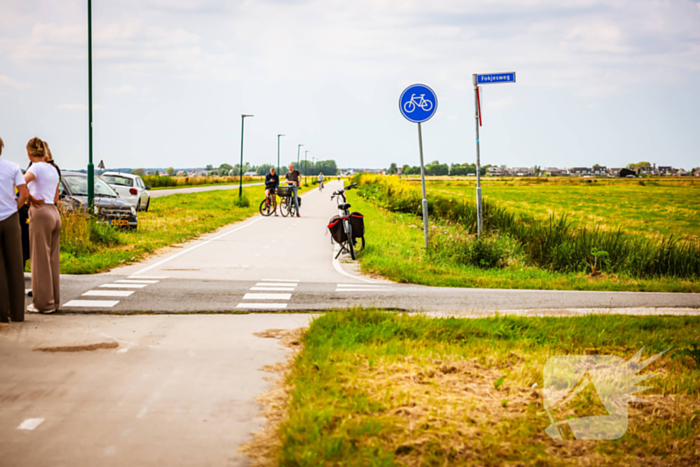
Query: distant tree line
x=436, y=168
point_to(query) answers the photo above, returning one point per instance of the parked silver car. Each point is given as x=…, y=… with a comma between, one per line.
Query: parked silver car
x=130, y=187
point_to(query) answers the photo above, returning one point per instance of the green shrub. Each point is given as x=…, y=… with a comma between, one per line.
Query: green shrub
x=242, y=201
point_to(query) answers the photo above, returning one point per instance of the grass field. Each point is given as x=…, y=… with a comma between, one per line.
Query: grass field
x=374, y=388
x=245, y=182
x=170, y=220
x=644, y=206
x=520, y=249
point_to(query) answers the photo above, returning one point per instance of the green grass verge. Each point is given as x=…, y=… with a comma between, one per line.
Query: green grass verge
x=170, y=220
x=373, y=388
x=395, y=250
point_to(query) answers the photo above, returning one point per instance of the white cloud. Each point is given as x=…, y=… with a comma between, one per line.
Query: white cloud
x=6, y=81
x=121, y=90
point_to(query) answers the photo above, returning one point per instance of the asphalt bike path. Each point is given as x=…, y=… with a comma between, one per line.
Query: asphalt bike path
x=286, y=264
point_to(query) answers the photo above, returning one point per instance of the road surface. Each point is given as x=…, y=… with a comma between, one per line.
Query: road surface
x=286, y=264
x=168, y=390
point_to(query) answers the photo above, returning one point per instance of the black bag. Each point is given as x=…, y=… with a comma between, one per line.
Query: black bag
x=357, y=222
x=24, y=226
x=299, y=200
x=335, y=227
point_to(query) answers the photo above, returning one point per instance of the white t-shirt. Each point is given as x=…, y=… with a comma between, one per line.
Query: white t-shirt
x=45, y=183
x=10, y=177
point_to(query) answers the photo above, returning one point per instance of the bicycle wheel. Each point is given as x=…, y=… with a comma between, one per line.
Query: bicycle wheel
x=409, y=106
x=350, y=241
x=283, y=207
x=427, y=105
x=267, y=207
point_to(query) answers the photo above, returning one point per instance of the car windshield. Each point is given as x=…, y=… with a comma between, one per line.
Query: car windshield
x=78, y=186
x=117, y=180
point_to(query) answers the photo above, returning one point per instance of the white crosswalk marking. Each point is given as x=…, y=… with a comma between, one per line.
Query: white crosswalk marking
x=107, y=290
x=269, y=285
x=134, y=281
x=267, y=296
x=149, y=277
x=90, y=304
x=125, y=286
x=108, y=293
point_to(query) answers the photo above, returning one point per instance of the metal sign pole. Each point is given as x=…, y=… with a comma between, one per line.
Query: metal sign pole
x=90, y=167
x=479, y=219
x=422, y=179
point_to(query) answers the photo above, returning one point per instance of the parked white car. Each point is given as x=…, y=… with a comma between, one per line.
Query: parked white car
x=130, y=187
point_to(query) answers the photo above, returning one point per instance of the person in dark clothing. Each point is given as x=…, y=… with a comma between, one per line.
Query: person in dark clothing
x=11, y=270
x=272, y=182
x=293, y=180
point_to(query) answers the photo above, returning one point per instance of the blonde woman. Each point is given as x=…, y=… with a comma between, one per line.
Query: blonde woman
x=44, y=228
x=11, y=265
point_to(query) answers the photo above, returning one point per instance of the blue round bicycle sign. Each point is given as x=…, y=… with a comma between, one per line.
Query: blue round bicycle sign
x=418, y=103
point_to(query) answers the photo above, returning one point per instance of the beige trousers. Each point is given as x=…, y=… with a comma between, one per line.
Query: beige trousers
x=45, y=247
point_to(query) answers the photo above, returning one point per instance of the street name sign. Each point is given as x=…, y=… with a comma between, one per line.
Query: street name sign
x=418, y=103
x=491, y=78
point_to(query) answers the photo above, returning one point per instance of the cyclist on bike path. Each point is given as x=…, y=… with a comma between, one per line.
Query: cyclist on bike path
x=293, y=177
x=320, y=179
x=272, y=181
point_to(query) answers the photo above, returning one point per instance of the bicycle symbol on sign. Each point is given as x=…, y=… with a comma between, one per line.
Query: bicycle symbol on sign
x=421, y=102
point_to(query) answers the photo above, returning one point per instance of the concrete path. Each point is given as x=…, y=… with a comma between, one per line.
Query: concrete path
x=171, y=390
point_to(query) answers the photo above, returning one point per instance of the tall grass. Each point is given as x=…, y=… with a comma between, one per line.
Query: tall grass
x=157, y=181
x=81, y=235
x=554, y=244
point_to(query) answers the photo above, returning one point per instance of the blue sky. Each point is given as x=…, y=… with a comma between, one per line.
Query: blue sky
x=608, y=82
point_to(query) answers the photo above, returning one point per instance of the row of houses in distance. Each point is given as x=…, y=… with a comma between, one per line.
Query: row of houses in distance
x=596, y=171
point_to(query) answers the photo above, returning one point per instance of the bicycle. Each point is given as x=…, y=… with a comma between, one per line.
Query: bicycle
x=423, y=103
x=320, y=186
x=350, y=245
x=287, y=206
x=269, y=204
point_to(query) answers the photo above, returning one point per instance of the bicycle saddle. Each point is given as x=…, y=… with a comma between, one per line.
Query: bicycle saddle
x=344, y=206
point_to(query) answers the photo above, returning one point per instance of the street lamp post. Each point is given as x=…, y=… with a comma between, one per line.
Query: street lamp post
x=240, y=167
x=298, y=149
x=90, y=167
x=278, y=154
x=306, y=165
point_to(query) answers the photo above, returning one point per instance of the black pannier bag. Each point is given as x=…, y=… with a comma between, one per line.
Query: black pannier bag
x=299, y=200
x=357, y=222
x=335, y=227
